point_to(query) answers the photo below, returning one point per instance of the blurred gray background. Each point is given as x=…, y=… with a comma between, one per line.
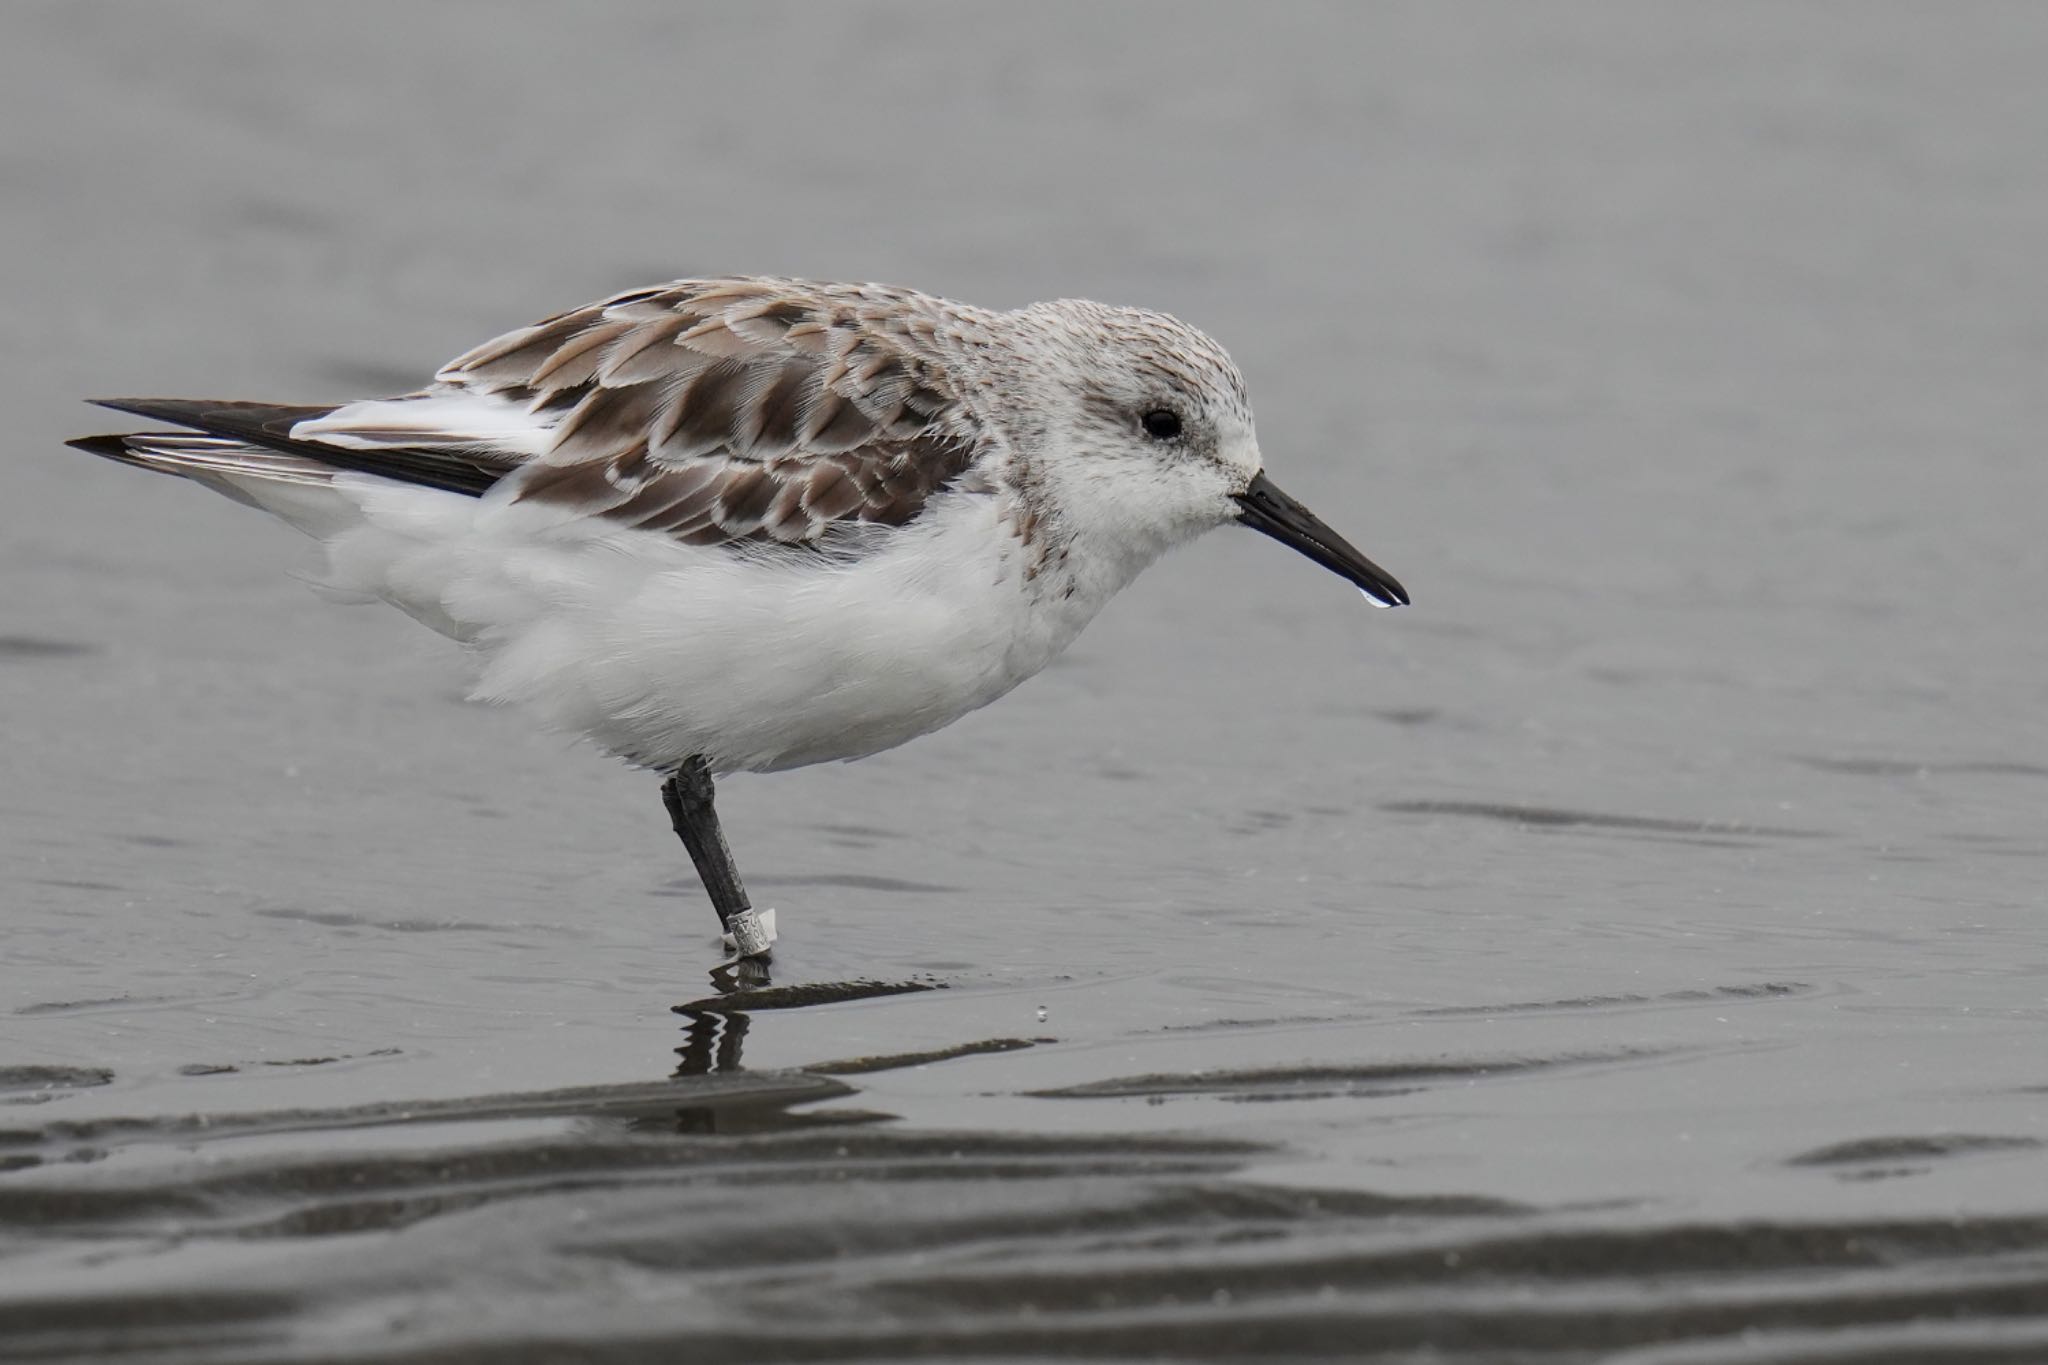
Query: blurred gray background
x=1685, y=361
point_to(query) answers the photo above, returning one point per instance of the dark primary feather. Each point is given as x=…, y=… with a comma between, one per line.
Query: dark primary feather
x=269, y=425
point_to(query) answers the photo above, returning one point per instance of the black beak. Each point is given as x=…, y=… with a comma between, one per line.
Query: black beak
x=1263, y=507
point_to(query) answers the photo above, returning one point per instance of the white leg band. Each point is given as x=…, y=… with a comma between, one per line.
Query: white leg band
x=750, y=932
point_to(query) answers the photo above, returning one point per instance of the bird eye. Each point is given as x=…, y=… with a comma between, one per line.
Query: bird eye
x=1162, y=424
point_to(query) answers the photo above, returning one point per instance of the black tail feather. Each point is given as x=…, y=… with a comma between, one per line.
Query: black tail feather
x=109, y=447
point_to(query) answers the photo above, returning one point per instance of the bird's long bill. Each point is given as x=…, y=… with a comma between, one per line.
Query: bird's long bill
x=1263, y=507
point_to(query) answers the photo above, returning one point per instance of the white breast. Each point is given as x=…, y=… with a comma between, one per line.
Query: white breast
x=660, y=651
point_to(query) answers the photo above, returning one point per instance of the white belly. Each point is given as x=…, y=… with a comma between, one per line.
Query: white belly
x=659, y=651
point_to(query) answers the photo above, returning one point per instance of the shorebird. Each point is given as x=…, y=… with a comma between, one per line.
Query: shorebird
x=748, y=524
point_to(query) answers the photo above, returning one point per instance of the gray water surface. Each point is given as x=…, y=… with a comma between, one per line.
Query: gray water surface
x=1635, y=950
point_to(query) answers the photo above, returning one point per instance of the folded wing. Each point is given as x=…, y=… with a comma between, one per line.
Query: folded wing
x=712, y=411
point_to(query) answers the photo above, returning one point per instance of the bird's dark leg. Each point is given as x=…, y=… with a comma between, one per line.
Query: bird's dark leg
x=687, y=794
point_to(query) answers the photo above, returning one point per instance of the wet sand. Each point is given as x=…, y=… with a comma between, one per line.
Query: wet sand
x=1634, y=951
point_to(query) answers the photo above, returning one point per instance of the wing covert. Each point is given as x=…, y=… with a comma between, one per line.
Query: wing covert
x=734, y=409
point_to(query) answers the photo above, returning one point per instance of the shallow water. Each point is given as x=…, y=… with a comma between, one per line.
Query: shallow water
x=1636, y=950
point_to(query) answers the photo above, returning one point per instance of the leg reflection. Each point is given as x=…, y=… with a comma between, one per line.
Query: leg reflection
x=711, y=1043
x=741, y=974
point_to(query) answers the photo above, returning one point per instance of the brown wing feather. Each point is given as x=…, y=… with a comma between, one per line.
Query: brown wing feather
x=742, y=409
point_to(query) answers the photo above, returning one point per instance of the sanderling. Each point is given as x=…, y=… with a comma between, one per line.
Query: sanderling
x=741, y=525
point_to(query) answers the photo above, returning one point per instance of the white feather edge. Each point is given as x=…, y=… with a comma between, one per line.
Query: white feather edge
x=440, y=418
